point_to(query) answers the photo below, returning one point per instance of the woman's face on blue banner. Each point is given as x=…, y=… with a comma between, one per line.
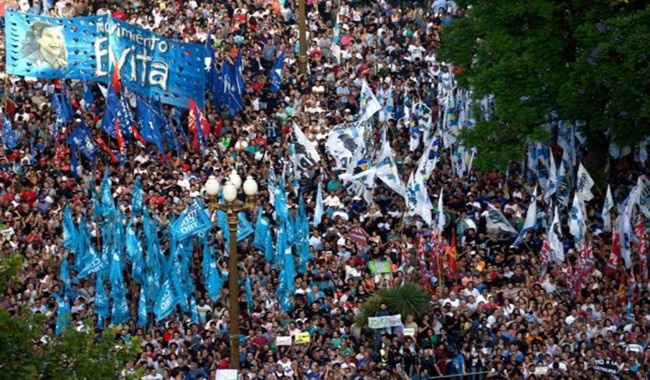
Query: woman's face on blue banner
x=51, y=41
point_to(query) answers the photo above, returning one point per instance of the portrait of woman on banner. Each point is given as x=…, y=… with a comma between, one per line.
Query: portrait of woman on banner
x=44, y=46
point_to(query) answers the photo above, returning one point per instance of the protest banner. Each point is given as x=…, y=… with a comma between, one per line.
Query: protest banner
x=86, y=48
x=226, y=374
x=302, y=338
x=606, y=366
x=384, y=321
x=379, y=267
x=283, y=341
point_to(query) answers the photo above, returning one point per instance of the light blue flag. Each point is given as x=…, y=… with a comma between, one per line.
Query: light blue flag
x=92, y=263
x=280, y=198
x=194, y=311
x=302, y=228
x=142, y=309
x=63, y=314
x=244, y=227
x=276, y=73
x=191, y=222
x=70, y=235
x=120, y=313
x=318, y=211
x=261, y=230
x=287, y=268
x=107, y=204
x=166, y=301
x=81, y=250
x=249, y=294
x=135, y=254
x=213, y=281
x=137, y=198
x=65, y=275
x=101, y=299
x=268, y=247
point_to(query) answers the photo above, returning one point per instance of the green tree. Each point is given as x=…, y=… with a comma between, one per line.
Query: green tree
x=28, y=352
x=549, y=60
x=407, y=299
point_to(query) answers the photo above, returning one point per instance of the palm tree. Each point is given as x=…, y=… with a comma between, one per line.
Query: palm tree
x=407, y=299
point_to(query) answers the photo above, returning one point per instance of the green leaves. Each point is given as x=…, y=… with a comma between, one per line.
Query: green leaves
x=73, y=355
x=575, y=60
x=407, y=299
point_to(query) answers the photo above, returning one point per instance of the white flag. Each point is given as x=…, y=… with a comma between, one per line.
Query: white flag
x=386, y=170
x=346, y=144
x=417, y=199
x=577, y=225
x=368, y=102
x=608, y=205
x=497, y=221
x=555, y=239
x=306, y=154
x=442, y=220
x=626, y=234
x=531, y=219
x=552, y=178
x=584, y=183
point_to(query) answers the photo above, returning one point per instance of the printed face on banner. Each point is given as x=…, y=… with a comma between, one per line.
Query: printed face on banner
x=87, y=48
x=44, y=46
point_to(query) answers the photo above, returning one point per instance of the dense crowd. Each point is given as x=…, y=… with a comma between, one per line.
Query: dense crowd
x=498, y=314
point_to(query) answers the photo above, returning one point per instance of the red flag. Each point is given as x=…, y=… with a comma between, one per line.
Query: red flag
x=196, y=120
x=192, y=124
x=612, y=262
x=120, y=139
x=543, y=254
x=452, y=261
x=137, y=136
x=104, y=147
x=115, y=80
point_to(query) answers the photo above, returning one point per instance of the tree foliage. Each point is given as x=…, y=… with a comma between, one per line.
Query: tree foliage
x=406, y=299
x=548, y=60
x=28, y=350
x=26, y=354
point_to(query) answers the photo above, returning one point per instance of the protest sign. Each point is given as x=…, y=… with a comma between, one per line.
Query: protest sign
x=379, y=267
x=226, y=374
x=302, y=338
x=384, y=322
x=283, y=341
x=606, y=366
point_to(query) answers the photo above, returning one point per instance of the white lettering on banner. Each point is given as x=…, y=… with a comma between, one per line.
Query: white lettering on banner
x=152, y=73
x=166, y=301
x=383, y=322
x=190, y=228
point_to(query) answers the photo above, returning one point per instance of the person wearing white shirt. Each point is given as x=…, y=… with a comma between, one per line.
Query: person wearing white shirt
x=452, y=300
x=332, y=200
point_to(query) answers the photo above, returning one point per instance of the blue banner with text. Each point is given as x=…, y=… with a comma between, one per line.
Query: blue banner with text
x=87, y=48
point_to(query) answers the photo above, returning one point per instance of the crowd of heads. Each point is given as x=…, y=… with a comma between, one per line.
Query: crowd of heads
x=499, y=314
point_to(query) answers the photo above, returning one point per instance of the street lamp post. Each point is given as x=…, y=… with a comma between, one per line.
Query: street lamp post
x=232, y=207
x=302, y=35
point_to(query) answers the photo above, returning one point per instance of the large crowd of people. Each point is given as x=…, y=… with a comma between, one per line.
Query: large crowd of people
x=497, y=314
